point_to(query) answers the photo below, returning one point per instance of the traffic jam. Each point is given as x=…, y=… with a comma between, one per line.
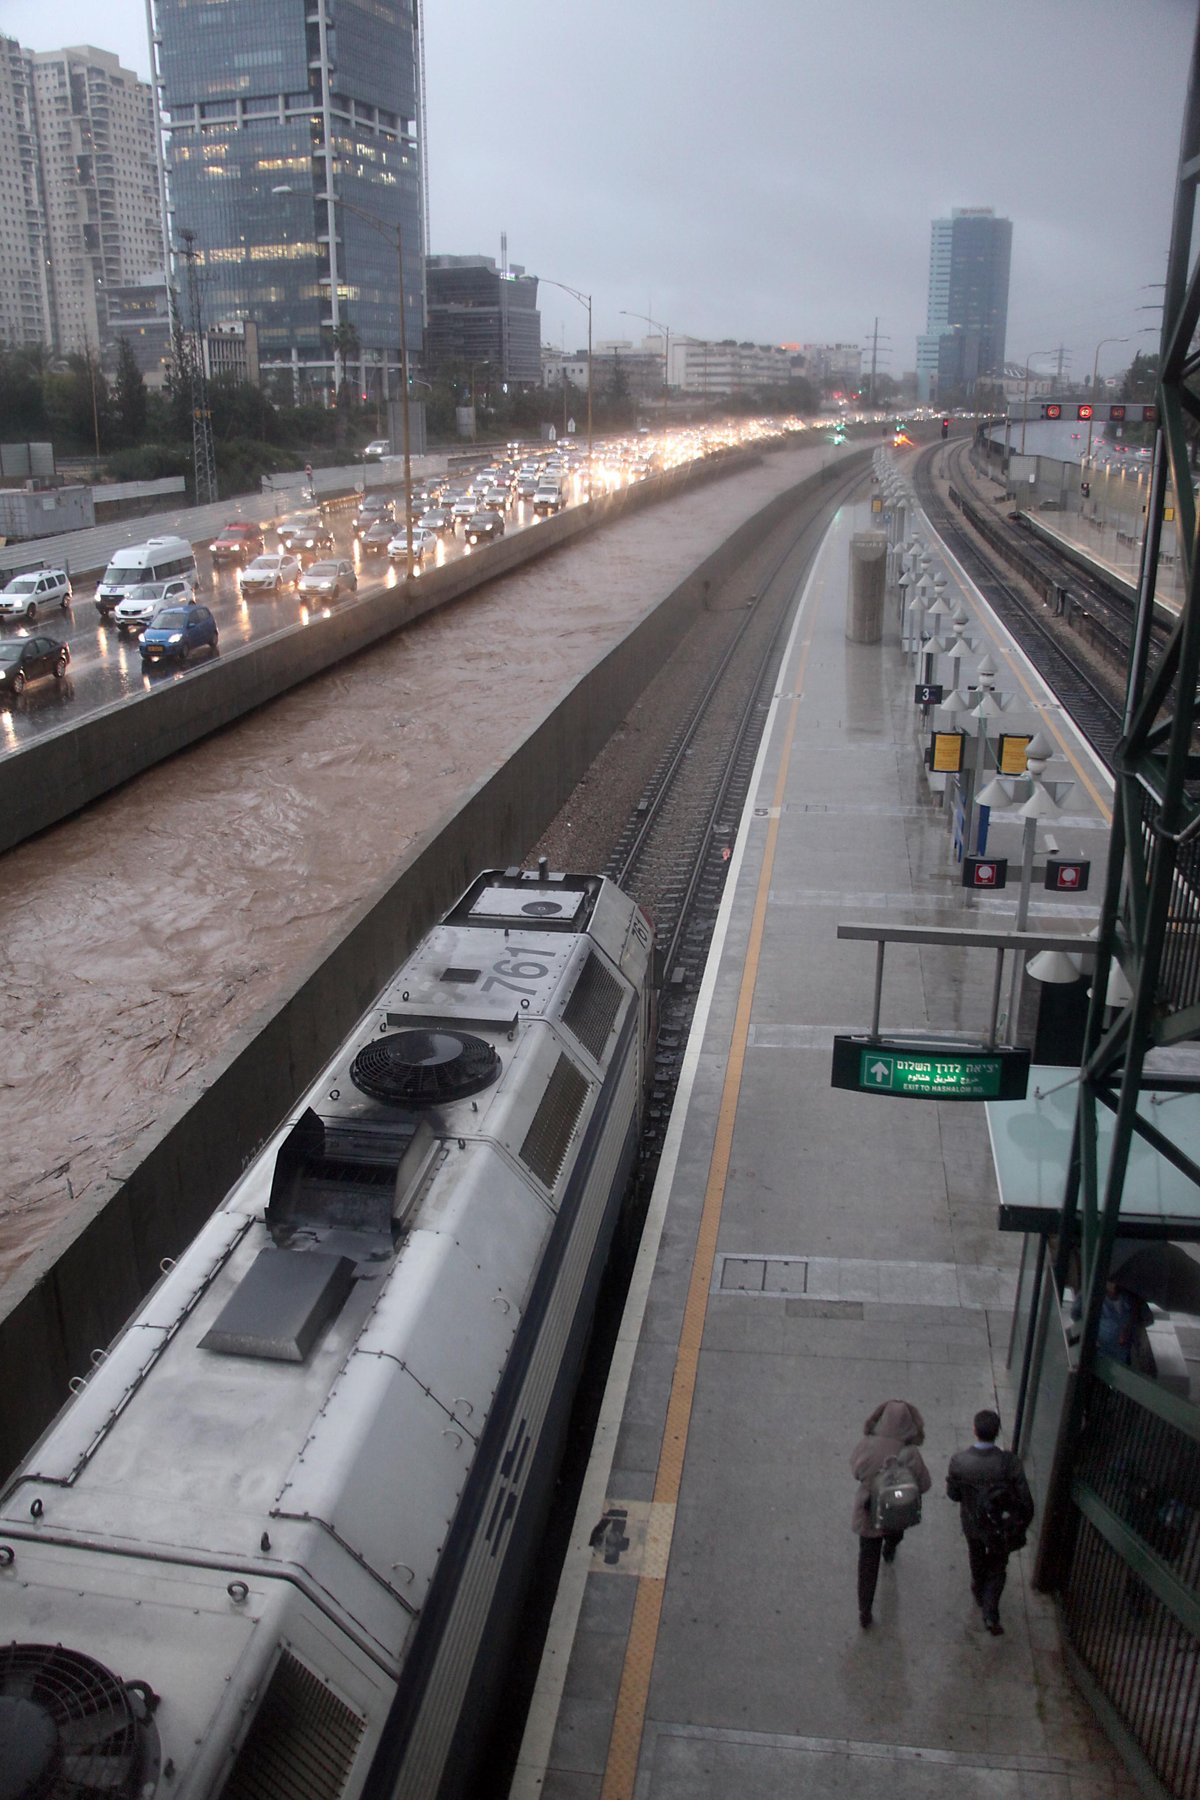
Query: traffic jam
x=164, y=607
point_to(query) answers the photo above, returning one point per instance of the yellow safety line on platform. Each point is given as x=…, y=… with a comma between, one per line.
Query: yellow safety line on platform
x=625, y=1741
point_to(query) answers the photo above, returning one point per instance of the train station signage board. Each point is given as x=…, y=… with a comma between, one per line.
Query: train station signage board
x=1066, y=876
x=946, y=752
x=1011, y=750
x=984, y=871
x=929, y=1072
x=928, y=693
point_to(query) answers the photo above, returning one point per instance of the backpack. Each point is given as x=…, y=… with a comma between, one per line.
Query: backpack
x=1001, y=1513
x=895, y=1498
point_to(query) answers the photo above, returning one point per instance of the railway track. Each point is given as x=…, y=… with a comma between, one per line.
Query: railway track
x=673, y=852
x=1091, y=698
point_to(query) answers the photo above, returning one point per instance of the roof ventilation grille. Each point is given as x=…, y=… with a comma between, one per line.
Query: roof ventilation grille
x=424, y=1068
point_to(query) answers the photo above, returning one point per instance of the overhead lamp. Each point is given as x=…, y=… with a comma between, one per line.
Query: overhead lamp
x=1117, y=991
x=1052, y=966
x=998, y=794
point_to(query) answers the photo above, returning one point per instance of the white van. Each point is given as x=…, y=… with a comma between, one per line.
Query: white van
x=159, y=559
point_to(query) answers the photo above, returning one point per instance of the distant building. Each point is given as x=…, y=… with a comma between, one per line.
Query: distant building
x=967, y=313
x=292, y=154
x=719, y=371
x=79, y=211
x=480, y=314
x=615, y=364
x=837, y=365
x=24, y=282
x=140, y=313
x=1020, y=385
x=100, y=183
x=231, y=348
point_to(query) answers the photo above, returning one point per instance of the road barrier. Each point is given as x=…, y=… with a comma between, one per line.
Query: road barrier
x=54, y=776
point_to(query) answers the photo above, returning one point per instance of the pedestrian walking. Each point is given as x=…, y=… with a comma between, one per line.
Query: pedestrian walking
x=995, y=1509
x=891, y=1476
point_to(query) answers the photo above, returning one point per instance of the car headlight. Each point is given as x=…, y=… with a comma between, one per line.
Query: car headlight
x=176, y=637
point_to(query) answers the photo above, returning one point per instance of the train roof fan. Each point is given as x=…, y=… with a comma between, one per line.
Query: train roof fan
x=424, y=1068
x=72, y=1730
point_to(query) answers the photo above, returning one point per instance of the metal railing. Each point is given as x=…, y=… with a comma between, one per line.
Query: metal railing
x=1131, y=1594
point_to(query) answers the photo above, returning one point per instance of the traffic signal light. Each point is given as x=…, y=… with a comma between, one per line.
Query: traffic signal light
x=945, y=428
x=1051, y=410
x=1083, y=412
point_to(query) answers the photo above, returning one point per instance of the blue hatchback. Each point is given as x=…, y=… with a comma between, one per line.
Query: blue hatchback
x=176, y=631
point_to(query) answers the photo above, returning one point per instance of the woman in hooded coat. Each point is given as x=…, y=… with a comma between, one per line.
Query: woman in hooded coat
x=892, y=1433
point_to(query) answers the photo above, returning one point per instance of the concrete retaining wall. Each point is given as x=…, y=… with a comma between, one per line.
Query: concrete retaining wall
x=77, y=1292
x=54, y=776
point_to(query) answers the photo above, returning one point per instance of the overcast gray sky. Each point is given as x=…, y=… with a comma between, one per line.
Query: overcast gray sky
x=768, y=169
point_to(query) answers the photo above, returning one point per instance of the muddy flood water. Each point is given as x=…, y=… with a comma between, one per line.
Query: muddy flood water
x=142, y=935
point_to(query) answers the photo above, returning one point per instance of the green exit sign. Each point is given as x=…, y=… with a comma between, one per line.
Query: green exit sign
x=929, y=1071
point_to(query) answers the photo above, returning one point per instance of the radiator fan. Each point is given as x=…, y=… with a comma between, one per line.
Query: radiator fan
x=424, y=1068
x=70, y=1730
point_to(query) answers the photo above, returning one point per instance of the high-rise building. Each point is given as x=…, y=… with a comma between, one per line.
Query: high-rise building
x=79, y=210
x=24, y=286
x=95, y=128
x=292, y=155
x=481, y=314
x=967, y=314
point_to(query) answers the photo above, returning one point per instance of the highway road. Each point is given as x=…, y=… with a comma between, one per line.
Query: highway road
x=106, y=664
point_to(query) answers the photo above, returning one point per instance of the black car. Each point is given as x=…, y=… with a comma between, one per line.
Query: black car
x=377, y=536
x=25, y=659
x=370, y=508
x=482, y=527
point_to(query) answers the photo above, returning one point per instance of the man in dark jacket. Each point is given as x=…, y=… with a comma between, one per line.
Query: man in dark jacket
x=996, y=1507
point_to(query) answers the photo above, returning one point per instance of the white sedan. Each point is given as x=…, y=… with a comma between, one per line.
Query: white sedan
x=425, y=544
x=272, y=573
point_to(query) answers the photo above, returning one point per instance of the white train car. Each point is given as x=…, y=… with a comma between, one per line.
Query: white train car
x=271, y=1547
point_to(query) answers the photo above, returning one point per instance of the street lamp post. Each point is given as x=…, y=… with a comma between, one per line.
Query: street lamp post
x=1025, y=401
x=1087, y=455
x=584, y=300
x=386, y=230
x=666, y=331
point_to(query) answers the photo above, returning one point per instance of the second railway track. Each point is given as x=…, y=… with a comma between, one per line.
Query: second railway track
x=1089, y=687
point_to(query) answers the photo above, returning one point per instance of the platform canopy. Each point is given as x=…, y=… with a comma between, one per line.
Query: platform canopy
x=1031, y=1147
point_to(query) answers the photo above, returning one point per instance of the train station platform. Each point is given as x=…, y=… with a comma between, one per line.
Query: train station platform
x=810, y=1253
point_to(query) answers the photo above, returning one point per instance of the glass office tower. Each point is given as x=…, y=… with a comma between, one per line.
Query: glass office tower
x=269, y=107
x=967, y=317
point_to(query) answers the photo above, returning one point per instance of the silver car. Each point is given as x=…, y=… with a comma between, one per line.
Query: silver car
x=271, y=573
x=328, y=580
x=132, y=614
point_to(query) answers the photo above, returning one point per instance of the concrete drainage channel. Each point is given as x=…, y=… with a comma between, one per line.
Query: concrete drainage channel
x=48, y=780
x=77, y=1293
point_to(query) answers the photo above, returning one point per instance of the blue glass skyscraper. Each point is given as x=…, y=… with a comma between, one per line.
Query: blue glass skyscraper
x=269, y=107
x=967, y=316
